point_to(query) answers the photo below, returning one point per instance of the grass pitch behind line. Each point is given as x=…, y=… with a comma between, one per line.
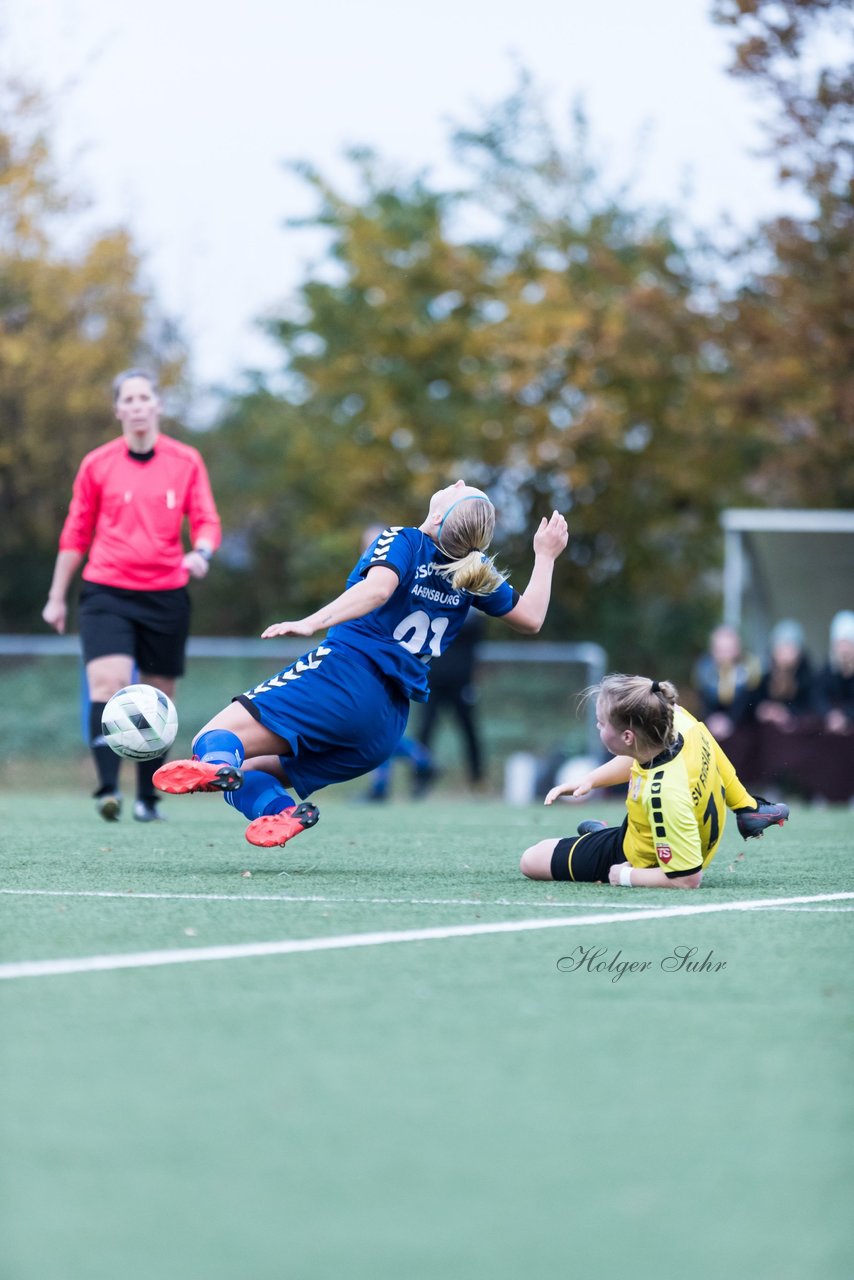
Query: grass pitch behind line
x=458, y=1108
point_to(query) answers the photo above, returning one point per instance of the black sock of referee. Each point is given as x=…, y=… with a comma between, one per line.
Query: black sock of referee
x=145, y=770
x=107, y=763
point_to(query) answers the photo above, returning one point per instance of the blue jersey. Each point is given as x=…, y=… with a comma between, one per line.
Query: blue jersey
x=423, y=615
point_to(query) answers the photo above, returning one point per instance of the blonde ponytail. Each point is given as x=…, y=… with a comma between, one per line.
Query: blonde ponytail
x=464, y=535
x=475, y=573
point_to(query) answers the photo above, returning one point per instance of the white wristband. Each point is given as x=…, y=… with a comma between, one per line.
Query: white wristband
x=626, y=875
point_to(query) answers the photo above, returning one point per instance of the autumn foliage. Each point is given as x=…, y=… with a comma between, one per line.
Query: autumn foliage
x=530, y=331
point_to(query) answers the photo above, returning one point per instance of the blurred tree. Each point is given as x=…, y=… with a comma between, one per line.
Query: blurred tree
x=375, y=408
x=608, y=374
x=71, y=316
x=797, y=54
x=789, y=328
x=560, y=359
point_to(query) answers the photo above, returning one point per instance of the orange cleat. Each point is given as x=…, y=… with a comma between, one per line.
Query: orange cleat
x=181, y=777
x=273, y=829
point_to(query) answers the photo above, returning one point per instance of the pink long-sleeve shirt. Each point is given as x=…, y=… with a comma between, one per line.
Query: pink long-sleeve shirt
x=128, y=514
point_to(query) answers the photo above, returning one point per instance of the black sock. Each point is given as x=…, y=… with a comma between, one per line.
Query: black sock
x=145, y=770
x=107, y=763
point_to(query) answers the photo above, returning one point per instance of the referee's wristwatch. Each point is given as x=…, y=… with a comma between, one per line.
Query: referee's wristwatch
x=204, y=552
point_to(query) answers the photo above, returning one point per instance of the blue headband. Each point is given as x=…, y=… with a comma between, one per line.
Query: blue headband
x=469, y=497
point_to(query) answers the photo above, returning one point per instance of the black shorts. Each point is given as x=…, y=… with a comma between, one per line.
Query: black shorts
x=149, y=626
x=589, y=858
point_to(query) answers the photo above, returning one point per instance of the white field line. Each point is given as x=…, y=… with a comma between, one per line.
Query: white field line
x=811, y=911
x=295, y=946
x=128, y=895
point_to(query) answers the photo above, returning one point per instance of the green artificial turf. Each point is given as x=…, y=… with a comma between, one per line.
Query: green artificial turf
x=457, y=1107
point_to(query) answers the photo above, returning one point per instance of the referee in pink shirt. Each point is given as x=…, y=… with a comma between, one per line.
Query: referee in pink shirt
x=125, y=519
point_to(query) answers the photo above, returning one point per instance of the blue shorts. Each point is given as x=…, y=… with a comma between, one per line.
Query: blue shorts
x=337, y=712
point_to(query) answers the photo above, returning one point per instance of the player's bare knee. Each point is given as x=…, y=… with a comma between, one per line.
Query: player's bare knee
x=536, y=862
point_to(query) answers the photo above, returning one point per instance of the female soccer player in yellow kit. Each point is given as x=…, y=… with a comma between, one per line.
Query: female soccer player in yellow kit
x=680, y=787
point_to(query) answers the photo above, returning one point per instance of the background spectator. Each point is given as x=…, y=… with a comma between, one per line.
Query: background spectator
x=453, y=688
x=785, y=692
x=420, y=762
x=724, y=678
x=833, y=696
x=379, y=782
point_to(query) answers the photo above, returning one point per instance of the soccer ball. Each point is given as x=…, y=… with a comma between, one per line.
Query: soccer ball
x=139, y=722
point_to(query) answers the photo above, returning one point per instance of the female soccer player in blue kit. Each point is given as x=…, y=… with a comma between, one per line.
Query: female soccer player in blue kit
x=341, y=709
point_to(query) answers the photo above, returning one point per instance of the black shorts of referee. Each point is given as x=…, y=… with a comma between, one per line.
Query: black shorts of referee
x=150, y=626
x=589, y=858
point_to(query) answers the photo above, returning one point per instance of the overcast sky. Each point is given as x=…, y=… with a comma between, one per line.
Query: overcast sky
x=175, y=116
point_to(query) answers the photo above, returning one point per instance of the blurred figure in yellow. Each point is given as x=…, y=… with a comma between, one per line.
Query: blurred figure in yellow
x=724, y=678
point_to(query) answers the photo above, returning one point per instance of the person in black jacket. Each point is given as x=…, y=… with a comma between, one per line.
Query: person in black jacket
x=833, y=694
x=453, y=688
x=784, y=695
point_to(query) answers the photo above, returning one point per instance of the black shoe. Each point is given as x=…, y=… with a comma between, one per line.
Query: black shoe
x=147, y=811
x=590, y=825
x=109, y=805
x=752, y=822
x=422, y=780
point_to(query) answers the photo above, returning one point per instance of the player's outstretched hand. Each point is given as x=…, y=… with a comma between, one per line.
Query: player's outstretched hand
x=299, y=628
x=551, y=537
x=575, y=791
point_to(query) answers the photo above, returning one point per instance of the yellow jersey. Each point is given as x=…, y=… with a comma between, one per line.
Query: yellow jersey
x=677, y=803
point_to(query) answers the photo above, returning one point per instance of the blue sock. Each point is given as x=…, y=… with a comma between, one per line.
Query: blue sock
x=220, y=746
x=261, y=793
x=379, y=780
x=416, y=753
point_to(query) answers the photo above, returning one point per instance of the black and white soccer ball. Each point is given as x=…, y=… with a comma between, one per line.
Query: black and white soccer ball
x=139, y=722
